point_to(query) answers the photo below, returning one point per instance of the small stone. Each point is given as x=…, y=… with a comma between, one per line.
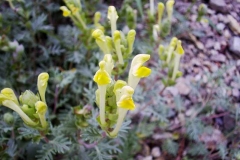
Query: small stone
x=218, y=5
x=220, y=26
x=173, y=91
x=227, y=34
x=209, y=43
x=217, y=46
x=234, y=45
x=234, y=25
x=156, y=152
x=213, y=52
x=218, y=58
x=190, y=112
x=235, y=92
x=223, y=18
x=148, y=158
x=182, y=86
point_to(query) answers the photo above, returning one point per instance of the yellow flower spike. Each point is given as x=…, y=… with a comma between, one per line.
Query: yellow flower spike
x=42, y=85
x=171, y=48
x=124, y=104
x=66, y=11
x=41, y=109
x=160, y=13
x=137, y=71
x=102, y=78
x=8, y=94
x=97, y=17
x=169, y=5
x=116, y=40
x=179, y=52
x=130, y=40
x=112, y=16
x=109, y=63
x=12, y=105
x=101, y=40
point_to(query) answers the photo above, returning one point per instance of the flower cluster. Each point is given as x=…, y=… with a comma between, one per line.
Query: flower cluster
x=118, y=45
x=31, y=108
x=114, y=97
x=171, y=56
x=163, y=27
x=73, y=10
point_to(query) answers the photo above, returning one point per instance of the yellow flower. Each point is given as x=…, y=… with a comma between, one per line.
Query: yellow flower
x=160, y=13
x=126, y=100
x=42, y=84
x=101, y=41
x=41, y=109
x=179, y=48
x=170, y=4
x=73, y=8
x=116, y=40
x=109, y=64
x=138, y=71
x=112, y=16
x=102, y=77
x=178, y=53
x=8, y=94
x=66, y=11
x=130, y=40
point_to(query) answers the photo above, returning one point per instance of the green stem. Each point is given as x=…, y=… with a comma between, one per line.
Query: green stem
x=121, y=115
x=81, y=21
x=119, y=52
x=43, y=120
x=176, y=66
x=102, y=95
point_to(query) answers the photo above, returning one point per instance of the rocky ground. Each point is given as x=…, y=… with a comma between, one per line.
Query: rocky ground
x=210, y=46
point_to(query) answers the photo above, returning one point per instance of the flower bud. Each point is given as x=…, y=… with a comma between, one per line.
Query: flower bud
x=28, y=98
x=8, y=118
x=66, y=11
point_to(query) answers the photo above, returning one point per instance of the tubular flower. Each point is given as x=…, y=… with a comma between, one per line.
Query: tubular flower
x=10, y=104
x=101, y=40
x=41, y=109
x=137, y=71
x=73, y=9
x=28, y=98
x=130, y=40
x=171, y=48
x=66, y=11
x=179, y=52
x=112, y=16
x=156, y=29
x=160, y=13
x=42, y=85
x=152, y=8
x=109, y=63
x=124, y=104
x=102, y=78
x=117, y=88
x=8, y=94
x=116, y=40
x=169, y=5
